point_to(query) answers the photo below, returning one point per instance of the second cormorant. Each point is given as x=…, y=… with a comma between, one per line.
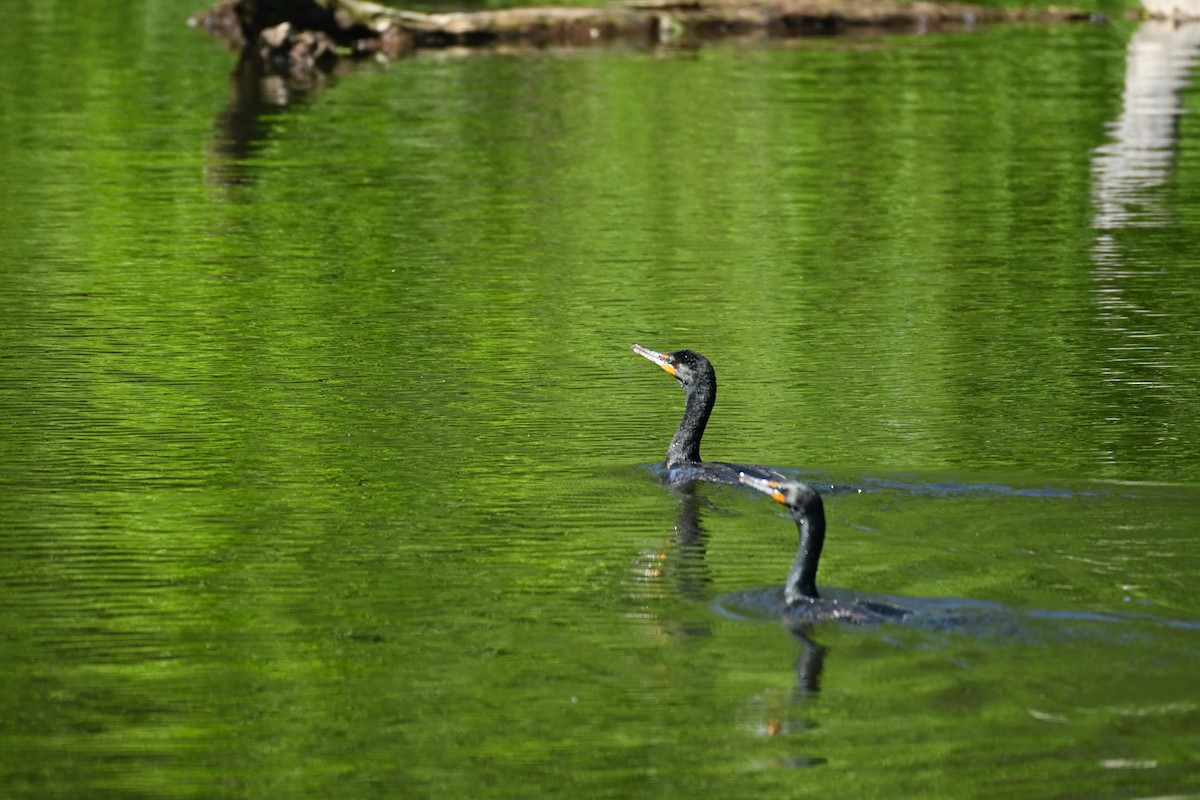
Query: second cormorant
x=801, y=600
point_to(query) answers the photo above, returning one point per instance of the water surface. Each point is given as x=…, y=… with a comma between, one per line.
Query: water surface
x=326, y=468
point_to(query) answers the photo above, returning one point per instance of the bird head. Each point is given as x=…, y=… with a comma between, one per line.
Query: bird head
x=687, y=366
x=793, y=494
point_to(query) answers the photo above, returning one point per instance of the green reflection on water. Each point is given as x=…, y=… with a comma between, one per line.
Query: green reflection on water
x=321, y=452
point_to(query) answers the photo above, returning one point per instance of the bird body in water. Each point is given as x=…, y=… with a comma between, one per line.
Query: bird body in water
x=801, y=600
x=699, y=381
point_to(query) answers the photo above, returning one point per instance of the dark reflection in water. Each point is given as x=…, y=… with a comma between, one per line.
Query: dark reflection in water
x=680, y=567
x=256, y=97
x=691, y=574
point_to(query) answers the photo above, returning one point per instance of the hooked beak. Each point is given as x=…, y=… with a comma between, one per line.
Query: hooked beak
x=662, y=359
x=765, y=486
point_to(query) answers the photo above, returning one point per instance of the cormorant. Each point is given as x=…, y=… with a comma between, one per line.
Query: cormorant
x=801, y=600
x=699, y=381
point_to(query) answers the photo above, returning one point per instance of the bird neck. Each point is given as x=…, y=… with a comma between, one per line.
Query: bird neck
x=810, y=524
x=685, y=445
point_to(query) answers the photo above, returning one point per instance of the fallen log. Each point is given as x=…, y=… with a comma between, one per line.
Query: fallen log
x=306, y=33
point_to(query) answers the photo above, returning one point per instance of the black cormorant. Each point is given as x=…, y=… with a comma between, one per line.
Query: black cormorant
x=801, y=600
x=699, y=381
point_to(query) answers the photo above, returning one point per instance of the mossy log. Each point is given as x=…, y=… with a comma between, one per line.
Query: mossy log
x=310, y=31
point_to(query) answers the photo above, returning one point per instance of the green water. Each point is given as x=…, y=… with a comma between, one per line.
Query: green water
x=325, y=465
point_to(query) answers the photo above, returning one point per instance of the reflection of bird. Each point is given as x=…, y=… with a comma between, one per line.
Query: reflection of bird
x=699, y=381
x=801, y=601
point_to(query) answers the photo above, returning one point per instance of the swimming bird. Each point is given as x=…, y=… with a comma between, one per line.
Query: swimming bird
x=801, y=600
x=699, y=381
